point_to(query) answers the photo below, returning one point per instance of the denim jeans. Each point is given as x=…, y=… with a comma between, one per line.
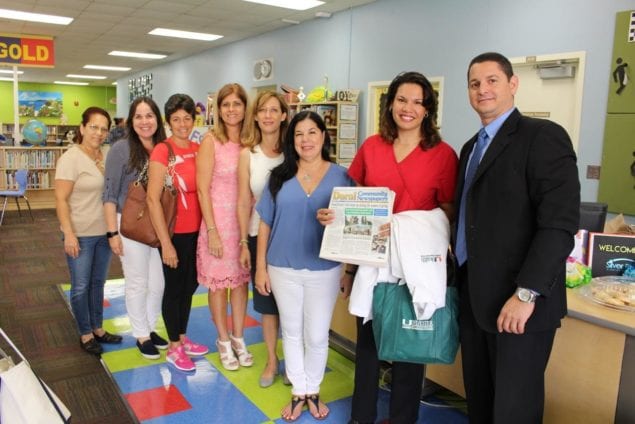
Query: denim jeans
x=88, y=276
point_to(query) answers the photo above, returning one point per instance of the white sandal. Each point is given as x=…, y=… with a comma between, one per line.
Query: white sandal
x=227, y=357
x=244, y=357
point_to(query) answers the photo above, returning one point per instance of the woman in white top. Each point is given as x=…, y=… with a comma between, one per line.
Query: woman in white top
x=270, y=113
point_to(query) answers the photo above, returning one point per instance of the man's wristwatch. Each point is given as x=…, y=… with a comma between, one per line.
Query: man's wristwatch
x=111, y=234
x=526, y=295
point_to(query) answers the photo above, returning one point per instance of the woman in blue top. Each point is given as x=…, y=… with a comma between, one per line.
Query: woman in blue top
x=288, y=262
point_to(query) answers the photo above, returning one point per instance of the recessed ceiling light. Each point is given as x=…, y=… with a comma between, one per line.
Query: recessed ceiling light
x=92, y=77
x=9, y=71
x=107, y=68
x=290, y=4
x=139, y=55
x=184, y=34
x=35, y=17
x=70, y=83
x=114, y=83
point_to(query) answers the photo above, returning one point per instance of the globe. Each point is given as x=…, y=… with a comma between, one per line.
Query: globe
x=35, y=132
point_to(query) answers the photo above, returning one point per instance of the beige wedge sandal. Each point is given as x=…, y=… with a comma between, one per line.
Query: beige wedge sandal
x=244, y=357
x=227, y=357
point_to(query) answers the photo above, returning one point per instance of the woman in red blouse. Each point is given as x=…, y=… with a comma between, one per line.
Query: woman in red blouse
x=409, y=157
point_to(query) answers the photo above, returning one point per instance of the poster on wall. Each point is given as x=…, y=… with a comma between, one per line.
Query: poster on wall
x=40, y=104
x=617, y=175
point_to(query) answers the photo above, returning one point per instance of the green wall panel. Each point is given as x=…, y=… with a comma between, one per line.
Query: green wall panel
x=617, y=185
x=624, y=102
x=85, y=96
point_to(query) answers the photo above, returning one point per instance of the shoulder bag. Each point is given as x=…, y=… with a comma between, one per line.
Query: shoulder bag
x=24, y=397
x=135, y=216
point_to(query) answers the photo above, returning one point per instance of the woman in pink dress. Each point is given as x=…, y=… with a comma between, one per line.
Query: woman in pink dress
x=219, y=242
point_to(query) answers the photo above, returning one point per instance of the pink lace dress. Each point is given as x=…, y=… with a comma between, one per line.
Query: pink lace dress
x=225, y=272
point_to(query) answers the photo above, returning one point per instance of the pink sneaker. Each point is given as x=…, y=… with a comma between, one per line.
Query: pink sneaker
x=179, y=359
x=193, y=349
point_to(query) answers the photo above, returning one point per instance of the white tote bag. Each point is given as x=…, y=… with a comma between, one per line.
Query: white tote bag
x=25, y=398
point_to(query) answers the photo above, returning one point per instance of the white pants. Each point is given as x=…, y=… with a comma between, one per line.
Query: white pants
x=143, y=274
x=305, y=301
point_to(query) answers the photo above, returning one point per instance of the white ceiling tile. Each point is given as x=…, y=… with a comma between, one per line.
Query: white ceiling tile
x=100, y=26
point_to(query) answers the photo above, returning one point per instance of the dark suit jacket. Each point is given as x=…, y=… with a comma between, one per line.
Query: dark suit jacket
x=522, y=213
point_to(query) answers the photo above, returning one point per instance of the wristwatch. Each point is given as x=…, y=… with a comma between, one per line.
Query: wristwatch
x=526, y=295
x=111, y=234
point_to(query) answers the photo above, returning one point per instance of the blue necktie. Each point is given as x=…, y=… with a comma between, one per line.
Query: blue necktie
x=479, y=148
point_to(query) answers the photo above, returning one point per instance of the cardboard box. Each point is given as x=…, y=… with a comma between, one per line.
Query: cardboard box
x=610, y=254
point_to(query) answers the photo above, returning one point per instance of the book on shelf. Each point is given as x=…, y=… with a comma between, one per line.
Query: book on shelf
x=328, y=114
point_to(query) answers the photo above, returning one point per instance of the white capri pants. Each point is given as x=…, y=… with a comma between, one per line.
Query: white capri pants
x=305, y=301
x=144, y=283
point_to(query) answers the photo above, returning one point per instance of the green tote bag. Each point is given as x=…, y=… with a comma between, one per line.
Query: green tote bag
x=401, y=337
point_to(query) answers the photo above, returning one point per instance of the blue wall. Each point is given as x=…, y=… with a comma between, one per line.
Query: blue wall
x=376, y=41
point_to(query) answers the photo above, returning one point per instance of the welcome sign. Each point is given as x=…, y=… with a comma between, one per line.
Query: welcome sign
x=611, y=254
x=32, y=51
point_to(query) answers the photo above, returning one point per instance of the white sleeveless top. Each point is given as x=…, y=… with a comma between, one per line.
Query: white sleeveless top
x=260, y=166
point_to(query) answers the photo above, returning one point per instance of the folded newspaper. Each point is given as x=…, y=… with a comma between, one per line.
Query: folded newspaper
x=358, y=235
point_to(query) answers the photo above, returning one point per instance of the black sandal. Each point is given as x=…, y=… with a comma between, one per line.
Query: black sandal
x=108, y=338
x=91, y=346
x=295, y=401
x=315, y=401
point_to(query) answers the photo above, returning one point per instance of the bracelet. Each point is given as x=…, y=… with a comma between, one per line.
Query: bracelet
x=111, y=234
x=211, y=227
x=243, y=241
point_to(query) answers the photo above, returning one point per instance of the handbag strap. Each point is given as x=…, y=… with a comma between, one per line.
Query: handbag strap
x=48, y=395
x=452, y=269
x=143, y=175
x=13, y=346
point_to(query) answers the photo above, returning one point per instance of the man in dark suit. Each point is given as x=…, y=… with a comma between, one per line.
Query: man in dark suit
x=518, y=197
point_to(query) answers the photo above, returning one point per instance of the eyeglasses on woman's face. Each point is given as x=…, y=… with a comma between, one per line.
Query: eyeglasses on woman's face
x=97, y=128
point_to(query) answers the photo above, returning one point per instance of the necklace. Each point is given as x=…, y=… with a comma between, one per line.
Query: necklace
x=310, y=178
x=96, y=157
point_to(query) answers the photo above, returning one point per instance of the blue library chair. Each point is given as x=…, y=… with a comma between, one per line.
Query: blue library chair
x=20, y=178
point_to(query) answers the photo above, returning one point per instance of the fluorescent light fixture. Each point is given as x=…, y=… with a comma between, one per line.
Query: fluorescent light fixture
x=114, y=83
x=290, y=4
x=184, y=34
x=85, y=76
x=70, y=83
x=6, y=79
x=290, y=21
x=91, y=77
x=138, y=55
x=107, y=68
x=35, y=17
x=9, y=71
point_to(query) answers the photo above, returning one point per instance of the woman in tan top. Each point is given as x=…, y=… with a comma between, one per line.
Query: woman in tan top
x=79, y=182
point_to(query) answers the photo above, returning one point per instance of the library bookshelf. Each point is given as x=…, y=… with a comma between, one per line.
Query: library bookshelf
x=40, y=162
x=342, y=123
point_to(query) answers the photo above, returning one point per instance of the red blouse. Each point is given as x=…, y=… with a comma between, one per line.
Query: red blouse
x=188, y=211
x=421, y=181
